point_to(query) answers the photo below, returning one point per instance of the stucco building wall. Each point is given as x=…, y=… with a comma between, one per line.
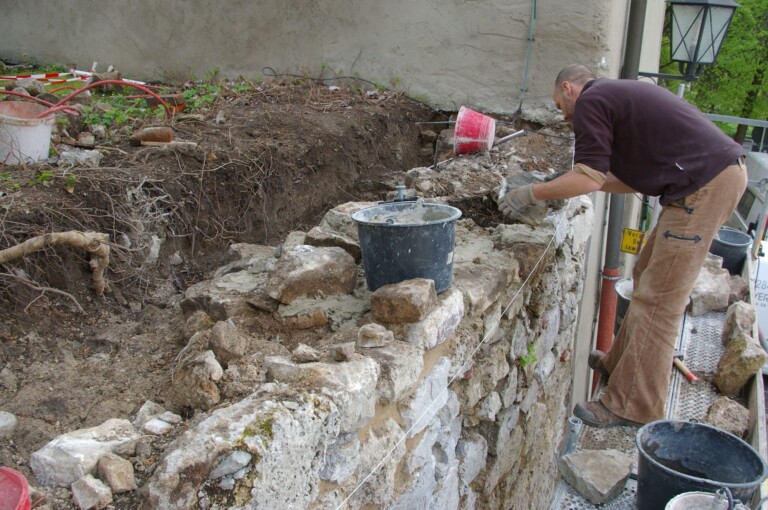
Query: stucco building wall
x=449, y=53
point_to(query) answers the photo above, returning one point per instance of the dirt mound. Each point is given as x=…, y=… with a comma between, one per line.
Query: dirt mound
x=265, y=161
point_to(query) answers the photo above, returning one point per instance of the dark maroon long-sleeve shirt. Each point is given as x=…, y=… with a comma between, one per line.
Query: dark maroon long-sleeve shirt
x=650, y=139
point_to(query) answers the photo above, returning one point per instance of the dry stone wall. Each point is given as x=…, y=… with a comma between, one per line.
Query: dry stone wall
x=416, y=400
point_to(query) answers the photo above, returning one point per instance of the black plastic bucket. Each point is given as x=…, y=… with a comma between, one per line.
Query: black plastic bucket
x=678, y=456
x=404, y=240
x=732, y=245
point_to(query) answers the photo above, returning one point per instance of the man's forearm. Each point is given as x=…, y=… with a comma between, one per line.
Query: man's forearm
x=570, y=184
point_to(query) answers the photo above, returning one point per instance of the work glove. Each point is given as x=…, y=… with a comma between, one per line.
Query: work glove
x=513, y=203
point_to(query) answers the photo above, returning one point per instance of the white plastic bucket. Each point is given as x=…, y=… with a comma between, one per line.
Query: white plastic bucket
x=23, y=138
x=694, y=501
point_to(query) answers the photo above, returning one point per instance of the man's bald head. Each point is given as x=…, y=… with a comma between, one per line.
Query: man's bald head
x=576, y=74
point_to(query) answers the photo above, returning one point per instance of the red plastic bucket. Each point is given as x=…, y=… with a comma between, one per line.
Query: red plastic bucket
x=14, y=490
x=474, y=132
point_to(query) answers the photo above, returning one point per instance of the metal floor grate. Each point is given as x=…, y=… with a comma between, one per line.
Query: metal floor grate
x=700, y=342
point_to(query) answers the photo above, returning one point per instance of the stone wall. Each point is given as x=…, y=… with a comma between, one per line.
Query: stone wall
x=415, y=400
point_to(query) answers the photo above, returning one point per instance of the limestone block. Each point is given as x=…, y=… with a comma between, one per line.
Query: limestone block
x=383, y=446
x=471, y=451
x=440, y=323
x=401, y=365
x=285, y=444
x=506, y=236
x=231, y=464
x=226, y=342
x=374, y=335
x=306, y=271
x=341, y=459
x=90, y=493
x=481, y=285
x=305, y=354
x=117, y=472
x=320, y=238
x=418, y=410
x=550, y=328
x=499, y=465
x=70, y=456
x=743, y=358
x=545, y=367
x=342, y=352
x=598, y=475
x=147, y=411
x=339, y=219
x=489, y=406
x=508, y=388
x=446, y=494
x=7, y=424
x=418, y=490
x=420, y=453
x=710, y=292
x=739, y=321
x=728, y=415
x=351, y=385
x=157, y=427
x=194, y=382
x=498, y=433
x=407, y=301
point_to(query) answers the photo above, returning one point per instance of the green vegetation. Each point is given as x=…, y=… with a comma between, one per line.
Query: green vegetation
x=530, y=357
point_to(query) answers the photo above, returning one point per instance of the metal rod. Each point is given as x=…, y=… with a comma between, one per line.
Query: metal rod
x=507, y=138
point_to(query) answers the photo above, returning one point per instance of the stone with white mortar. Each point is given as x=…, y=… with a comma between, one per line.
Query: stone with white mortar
x=319, y=237
x=471, y=451
x=481, y=285
x=90, y=493
x=341, y=458
x=374, y=335
x=306, y=272
x=400, y=365
x=70, y=456
x=351, y=385
x=418, y=410
x=439, y=324
x=380, y=454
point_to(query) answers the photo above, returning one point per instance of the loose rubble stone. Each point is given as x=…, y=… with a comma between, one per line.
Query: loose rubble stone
x=117, y=472
x=302, y=318
x=8, y=379
x=319, y=237
x=739, y=289
x=743, y=358
x=70, y=456
x=194, y=383
x=728, y=415
x=407, y=301
x=374, y=335
x=711, y=290
x=226, y=342
x=739, y=321
x=342, y=352
x=339, y=219
x=306, y=271
x=598, y=475
x=157, y=427
x=7, y=424
x=147, y=411
x=90, y=493
x=305, y=354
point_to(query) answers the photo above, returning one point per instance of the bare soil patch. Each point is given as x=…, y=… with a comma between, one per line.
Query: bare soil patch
x=269, y=160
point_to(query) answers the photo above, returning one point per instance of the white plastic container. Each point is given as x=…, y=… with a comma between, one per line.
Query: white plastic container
x=23, y=138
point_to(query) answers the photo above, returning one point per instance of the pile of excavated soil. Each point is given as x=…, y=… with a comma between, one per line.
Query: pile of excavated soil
x=268, y=161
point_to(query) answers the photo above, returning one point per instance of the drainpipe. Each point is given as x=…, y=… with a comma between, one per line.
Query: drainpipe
x=611, y=270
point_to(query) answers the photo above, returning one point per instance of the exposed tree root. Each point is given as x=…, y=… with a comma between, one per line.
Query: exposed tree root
x=93, y=242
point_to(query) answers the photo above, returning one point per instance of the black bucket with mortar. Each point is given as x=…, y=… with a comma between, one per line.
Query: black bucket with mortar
x=732, y=245
x=404, y=240
x=679, y=456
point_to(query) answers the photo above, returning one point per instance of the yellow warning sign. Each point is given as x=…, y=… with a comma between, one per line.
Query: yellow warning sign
x=632, y=241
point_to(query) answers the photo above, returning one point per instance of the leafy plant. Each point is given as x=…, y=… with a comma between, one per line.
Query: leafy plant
x=530, y=357
x=43, y=177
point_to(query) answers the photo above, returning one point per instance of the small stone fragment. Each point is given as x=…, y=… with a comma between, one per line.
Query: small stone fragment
x=91, y=493
x=117, y=472
x=342, y=352
x=305, y=354
x=374, y=335
x=233, y=463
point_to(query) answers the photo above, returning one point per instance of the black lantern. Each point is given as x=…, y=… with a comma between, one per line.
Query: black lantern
x=697, y=30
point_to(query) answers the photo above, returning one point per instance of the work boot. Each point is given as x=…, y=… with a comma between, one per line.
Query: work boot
x=595, y=362
x=595, y=414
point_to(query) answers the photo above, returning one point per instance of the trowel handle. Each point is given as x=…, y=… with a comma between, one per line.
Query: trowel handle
x=503, y=139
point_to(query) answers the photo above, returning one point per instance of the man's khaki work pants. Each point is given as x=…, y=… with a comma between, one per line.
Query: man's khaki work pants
x=640, y=359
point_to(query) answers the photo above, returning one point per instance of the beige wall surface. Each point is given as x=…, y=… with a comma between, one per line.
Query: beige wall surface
x=448, y=52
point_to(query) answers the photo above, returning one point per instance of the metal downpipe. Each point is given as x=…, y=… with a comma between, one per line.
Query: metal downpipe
x=611, y=270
